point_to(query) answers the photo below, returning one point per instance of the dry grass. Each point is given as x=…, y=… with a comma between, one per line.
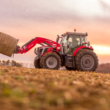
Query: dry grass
x=39, y=89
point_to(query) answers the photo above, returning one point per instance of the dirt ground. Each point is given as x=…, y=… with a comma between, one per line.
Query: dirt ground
x=39, y=89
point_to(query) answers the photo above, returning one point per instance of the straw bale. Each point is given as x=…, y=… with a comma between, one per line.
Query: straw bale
x=7, y=44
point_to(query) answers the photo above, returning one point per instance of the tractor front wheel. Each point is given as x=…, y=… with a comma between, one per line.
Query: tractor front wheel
x=50, y=61
x=37, y=62
x=86, y=60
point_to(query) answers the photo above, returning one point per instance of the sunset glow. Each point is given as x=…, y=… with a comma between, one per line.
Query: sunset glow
x=28, y=19
x=101, y=50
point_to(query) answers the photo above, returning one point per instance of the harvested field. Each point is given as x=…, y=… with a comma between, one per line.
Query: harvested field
x=39, y=89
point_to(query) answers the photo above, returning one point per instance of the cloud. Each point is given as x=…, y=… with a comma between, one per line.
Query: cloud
x=105, y=6
x=44, y=11
x=19, y=13
x=46, y=18
x=34, y=10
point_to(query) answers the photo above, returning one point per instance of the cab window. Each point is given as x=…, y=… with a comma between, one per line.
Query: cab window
x=64, y=40
x=74, y=40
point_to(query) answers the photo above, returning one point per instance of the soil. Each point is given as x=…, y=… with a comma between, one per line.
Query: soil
x=41, y=89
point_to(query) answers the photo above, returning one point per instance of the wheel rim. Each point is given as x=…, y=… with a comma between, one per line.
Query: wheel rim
x=51, y=62
x=87, y=62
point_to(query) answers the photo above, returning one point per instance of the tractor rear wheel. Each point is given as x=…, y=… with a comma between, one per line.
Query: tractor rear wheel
x=86, y=60
x=50, y=61
x=37, y=62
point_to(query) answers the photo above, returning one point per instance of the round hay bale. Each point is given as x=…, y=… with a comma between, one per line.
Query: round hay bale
x=7, y=44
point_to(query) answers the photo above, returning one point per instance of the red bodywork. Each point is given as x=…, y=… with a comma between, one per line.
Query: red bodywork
x=81, y=47
x=51, y=44
x=38, y=40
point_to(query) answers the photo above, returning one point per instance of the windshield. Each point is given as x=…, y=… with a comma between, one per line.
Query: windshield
x=74, y=40
x=64, y=40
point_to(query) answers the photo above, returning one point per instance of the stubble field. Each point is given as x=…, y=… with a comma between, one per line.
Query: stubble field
x=40, y=89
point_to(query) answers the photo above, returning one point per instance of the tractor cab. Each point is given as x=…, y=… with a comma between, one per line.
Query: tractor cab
x=72, y=40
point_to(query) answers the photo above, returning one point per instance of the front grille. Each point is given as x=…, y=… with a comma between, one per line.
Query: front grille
x=39, y=51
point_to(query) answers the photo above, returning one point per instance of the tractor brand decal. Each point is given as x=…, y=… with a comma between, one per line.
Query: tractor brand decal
x=31, y=45
x=49, y=41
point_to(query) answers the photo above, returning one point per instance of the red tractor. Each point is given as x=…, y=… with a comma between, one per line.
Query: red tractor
x=70, y=50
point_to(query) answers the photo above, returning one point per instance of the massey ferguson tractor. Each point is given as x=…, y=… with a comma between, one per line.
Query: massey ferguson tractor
x=71, y=50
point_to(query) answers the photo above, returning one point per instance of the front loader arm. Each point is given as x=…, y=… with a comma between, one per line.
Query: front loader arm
x=29, y=45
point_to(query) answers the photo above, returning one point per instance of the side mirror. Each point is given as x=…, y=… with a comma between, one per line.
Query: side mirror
x=57, y=38
x=88, y=43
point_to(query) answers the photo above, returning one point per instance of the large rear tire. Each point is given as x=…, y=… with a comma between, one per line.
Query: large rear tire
x=86, y=60
x=37, y=62
x=50, y=61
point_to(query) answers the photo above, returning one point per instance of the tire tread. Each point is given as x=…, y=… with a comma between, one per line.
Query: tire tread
x=47, y=54
x=81, y=53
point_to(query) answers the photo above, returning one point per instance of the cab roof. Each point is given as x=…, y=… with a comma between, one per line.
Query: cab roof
x=75, y=33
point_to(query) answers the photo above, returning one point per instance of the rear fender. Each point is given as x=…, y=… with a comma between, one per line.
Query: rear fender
x=81, y=47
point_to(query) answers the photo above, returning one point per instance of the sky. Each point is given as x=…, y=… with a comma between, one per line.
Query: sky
x=27, y=19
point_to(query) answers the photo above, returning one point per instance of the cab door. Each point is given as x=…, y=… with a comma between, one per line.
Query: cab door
x=73, y=42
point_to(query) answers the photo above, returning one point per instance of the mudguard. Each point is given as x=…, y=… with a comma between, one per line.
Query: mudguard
x=81, y=47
